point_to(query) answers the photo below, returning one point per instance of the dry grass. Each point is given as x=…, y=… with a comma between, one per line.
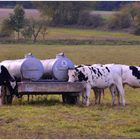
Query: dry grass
x=48, y=118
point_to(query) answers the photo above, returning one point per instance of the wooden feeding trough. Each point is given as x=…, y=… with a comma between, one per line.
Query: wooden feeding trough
x=35, y=77
x=70, y=91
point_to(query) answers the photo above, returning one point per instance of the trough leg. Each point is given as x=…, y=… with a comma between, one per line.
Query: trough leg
x=5, y=96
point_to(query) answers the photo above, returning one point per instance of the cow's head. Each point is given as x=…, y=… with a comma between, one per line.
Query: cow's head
x=6, y=78
x=76, y=75
x=73, y=75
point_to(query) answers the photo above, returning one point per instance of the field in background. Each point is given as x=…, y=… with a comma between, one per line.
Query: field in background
x=89, y=34
x=48, y=117
x=4, y=13
x=93, y=35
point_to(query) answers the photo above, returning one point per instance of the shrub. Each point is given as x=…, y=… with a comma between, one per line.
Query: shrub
x=90, y=20
x=119, y=21
x=137, y=30
x=6, y=29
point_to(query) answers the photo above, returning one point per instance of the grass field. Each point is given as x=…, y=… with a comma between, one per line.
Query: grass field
x=48, y=117
x=73, y=33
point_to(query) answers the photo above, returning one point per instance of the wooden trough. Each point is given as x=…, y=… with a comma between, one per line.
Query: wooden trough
x=70, y=91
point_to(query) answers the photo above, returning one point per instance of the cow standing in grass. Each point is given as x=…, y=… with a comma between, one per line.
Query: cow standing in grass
x=6, y=79
x=100, y=77
x=130, y=76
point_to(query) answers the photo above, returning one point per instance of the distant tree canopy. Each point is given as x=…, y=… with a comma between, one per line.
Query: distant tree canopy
x=62, y=12
x=12, y=4
x=109, y=5
x=97, y=5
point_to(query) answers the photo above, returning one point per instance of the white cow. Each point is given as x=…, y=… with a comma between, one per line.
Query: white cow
x=98, y=76
x=130, y=77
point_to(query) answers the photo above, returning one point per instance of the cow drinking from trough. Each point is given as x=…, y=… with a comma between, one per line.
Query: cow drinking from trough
x=6, y=79
x=98, y=76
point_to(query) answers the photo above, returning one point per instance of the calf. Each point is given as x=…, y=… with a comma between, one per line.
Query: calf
x=130, y=77
x=6, y=79
x=100, y=77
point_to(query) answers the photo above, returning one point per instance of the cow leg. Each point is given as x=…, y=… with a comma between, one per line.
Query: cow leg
x=88, y=88
x=119, y=99
x=118, y=96
x=96, y=95
x=113, y=92
x=99, y=98
x=121, y=92
x=84, y=97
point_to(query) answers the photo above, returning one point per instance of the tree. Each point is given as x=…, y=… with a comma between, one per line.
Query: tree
x=109, y=5
x=36, y=26
x=132, y=9
x=27, y=30
x=62, y=12
x=17, y=19
x=44, y=30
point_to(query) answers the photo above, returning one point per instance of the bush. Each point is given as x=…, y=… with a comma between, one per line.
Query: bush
x=6, y=29
x=88, y=20
x=119, y=21
x=137, y=30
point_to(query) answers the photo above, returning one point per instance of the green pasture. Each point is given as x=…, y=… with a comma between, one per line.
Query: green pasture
x=75, y=33
x=48, y=117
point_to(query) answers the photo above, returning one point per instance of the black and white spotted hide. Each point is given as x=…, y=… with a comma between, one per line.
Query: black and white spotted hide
x=98, y=77
x=6, y=79
x=131, y=75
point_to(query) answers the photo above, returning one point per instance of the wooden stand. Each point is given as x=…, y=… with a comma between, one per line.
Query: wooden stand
x=70, y=91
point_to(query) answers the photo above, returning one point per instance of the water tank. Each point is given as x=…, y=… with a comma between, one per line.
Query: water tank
x=57, y=68
x=29, y=68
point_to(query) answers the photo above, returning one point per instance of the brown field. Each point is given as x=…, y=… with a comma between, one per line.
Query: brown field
x=4, y=12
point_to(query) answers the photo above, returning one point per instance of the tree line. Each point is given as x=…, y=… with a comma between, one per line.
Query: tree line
x=98, y=5
x=68, y=13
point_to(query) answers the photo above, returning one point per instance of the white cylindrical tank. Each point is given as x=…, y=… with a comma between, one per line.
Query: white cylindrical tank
x=29, y=68
x=57, y=68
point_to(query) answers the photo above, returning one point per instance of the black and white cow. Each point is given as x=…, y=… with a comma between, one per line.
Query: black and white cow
x=100, y=77
x=130, y=77
x=6, y=79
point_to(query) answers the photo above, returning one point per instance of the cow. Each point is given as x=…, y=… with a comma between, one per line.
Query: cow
x=7, y=80
x=130, y=77
x=100, y=77
x=97, y=92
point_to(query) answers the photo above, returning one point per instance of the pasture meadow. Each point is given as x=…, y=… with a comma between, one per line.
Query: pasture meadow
x=47, y=117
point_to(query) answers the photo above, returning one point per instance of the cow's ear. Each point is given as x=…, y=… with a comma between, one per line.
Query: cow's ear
x=76, y=70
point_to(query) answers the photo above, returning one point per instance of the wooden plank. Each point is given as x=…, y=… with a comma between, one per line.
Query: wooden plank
x=50, y=87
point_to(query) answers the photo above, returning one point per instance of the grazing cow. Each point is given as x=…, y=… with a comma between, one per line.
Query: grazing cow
x=98, y=76
x=6, y=79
